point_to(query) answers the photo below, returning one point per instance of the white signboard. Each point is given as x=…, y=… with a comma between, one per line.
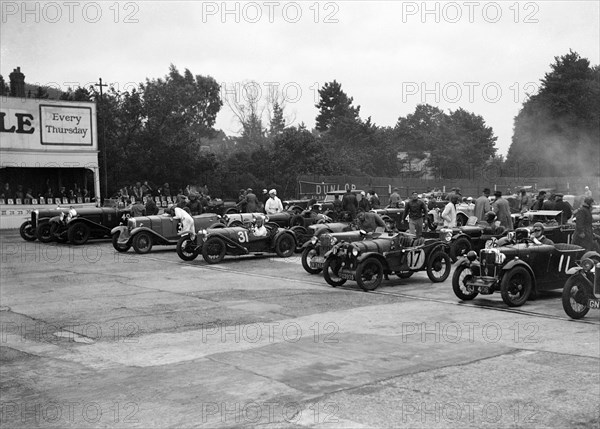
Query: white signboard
x=64, y=125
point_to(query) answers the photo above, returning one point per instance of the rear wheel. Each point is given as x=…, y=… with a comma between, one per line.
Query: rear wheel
x=142, y=243
x=285, y=245
x=78, y=233
x=331, y=269
x=43, y=233
x=369, y=274
x=516, y=286
x=438, y=266
x=119, y=247
x=459, y=248
x=186, y=248
x=463, y=274
x=213, y=251
x=307, y=254
x=27, y=231
x=575, y=297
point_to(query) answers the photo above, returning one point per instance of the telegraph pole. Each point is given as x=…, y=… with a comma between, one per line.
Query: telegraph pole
x=103, y=137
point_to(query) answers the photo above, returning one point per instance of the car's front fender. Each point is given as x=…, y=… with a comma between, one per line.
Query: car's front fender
x=518, y=263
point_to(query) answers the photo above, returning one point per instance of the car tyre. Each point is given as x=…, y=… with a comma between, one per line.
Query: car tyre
x=142, y=243
x=213, y=251
x=460, y=248
x=461, y=274
x=330, y=272
x=43, y=233
x=119, y=247
x=27, y=231
x=58, y=233
x=78, y=233
x=186, y=248
x=369, y=274
x=515, y=287
x=285, y=245
x=439, y=266
x=296, y=220
x=307, y=254
x=575, y=296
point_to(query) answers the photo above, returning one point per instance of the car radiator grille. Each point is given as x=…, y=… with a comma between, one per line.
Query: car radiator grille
x=325, y=245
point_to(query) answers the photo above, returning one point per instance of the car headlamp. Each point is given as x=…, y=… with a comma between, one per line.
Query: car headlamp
x=354, y=252
x=471, y=255
x=587, y=264
x=334, y=240
x=313, y=240
x=131, y=223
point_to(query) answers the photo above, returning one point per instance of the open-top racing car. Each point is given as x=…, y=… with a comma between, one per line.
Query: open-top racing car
x=143, y=232
x=37, y=227
x=517, y=266
x=214, y=244
x=368, y=261
x=78, y=226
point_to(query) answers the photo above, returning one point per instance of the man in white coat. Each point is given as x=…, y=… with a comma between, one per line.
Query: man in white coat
x=449, y=213
x=273, y=204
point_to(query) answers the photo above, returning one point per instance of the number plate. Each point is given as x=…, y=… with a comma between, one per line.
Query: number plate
x=317, y=262
x=347, y=276
x=594, y=303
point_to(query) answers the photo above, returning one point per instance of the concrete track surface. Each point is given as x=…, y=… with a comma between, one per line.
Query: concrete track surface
x=94, y=338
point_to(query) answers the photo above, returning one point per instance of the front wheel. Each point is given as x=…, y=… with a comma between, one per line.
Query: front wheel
x=27, y=231
x=459, y=248
x=186, y=248
x=307, y=255
x=463, y=274
x=142, y=243
x=331, y=269
x=119, y=247
x=575, y=297
x=285, y=246
x=516, y=286
x=79, y=233
x=43, y=233
x=369, y=274
x=214, y=250
x=439, y=266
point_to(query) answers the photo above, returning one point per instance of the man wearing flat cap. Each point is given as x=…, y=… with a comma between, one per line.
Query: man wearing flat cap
x=273, y=204
x=565, y=207
x=502, y=210
x=538, y=234
x=584, y=234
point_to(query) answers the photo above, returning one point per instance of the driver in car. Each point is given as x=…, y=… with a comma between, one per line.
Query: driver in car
x=538, y=234
x=259, y=229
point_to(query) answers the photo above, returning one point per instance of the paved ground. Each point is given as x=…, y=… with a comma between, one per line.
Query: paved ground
x=93, y=338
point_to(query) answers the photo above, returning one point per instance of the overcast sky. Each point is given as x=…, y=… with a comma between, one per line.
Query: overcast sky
x=389, y=56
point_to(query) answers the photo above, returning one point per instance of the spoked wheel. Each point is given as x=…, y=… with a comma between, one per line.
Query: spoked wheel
x=459, y=248
x=285, y=245
x=79, y=233
x=119, y=247
x=463, y=274
x=27, y=231
x=307, y=254
x=214, y=250
x=439, y=266
x=43, y=233
x=575, y=297
x=369, y=274
x=516, y=286
x=142, y=243
x=331, y=269
x=186, y=248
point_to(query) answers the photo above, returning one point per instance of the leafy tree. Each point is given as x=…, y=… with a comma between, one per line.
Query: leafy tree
x=335, y=108
x=277, y=124
x=557, y=130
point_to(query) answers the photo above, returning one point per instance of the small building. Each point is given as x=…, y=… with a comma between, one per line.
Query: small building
x=414, y=165
x=48, y=154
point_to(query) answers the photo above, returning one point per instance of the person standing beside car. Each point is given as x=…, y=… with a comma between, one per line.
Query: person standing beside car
x=502, y=210
x=364, y=204
x=273, y=204
x=482, y=205
x=584, y=235
x=395, y=199
x=251, y=201
x=449, y=213
x=350, y=204
x=416, y=210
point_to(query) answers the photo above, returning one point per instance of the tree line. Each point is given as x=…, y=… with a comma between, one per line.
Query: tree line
x=163, y=131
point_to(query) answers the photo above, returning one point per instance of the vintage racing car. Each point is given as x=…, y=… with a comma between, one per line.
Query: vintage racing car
x=214, y=244
x=368, y=261
x=519, y=268
x=582, y=289
x=393, y=218
x=36, y=227
x=78, y=226
x=143, y=232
